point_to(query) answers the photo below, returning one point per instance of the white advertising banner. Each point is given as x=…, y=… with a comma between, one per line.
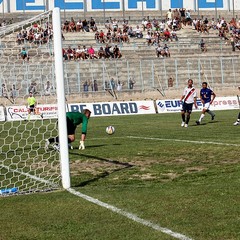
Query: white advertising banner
x=21, y=112
x=100, y=109
x=97, y=109
x=219, y=103
x=115, y=108
x=2, y=114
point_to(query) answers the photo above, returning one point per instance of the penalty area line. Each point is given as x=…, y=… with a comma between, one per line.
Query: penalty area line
x=129, y=215
x=186, y=141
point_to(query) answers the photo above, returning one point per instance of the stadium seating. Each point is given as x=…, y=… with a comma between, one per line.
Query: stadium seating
x=218, y=65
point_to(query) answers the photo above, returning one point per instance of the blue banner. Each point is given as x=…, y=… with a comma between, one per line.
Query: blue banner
x=22, y=5
x=149, y=3
x=68, y=5
x=33, y=5
x=101, y=4
x=176, y=3
x=207, y=4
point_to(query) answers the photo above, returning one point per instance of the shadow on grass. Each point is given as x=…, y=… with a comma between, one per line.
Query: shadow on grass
x=102, y=145
x=205, y=123
x=195, y=125
x=214, y=122
x=105, y=173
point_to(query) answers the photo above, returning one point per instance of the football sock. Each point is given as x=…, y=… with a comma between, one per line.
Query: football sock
x=188, y=118
x=211, y=113
x=201, y=117
x=239, y=116
x=183, y=117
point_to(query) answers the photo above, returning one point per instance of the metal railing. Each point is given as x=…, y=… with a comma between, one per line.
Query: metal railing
x=144, y=74
x=20, y=25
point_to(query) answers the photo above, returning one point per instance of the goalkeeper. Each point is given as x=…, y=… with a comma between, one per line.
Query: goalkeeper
x=31, y=104
x=73, y=120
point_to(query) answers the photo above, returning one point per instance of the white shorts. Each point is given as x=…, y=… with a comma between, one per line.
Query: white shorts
x=206, y=105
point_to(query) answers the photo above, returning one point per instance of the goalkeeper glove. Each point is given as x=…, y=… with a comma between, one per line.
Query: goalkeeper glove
x=81, y=146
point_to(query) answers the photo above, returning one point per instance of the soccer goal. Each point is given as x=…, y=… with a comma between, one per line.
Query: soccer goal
x=26, y=166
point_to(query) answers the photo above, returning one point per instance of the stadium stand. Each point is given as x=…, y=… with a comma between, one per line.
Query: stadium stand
x=218, y=64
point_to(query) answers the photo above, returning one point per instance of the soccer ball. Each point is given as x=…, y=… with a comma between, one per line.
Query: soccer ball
x=110, y=130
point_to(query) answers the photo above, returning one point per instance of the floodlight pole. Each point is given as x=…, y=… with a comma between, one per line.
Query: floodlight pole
x=161, y=10
x=62, y=124
x=123, y=9
x=8, y=6
x=104, y=12
x=216, y=8
x=198, y=9
x=47, y=5
x=233, y=7
x=84, y=8
x=44, y=6
x=3, y=9
x=23, y=9
x=64, y=11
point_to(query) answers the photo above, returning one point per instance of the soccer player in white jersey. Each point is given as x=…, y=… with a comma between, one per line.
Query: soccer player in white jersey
x=188, y=98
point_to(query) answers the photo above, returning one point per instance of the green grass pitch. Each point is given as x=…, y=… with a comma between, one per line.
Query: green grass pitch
x=183, y=179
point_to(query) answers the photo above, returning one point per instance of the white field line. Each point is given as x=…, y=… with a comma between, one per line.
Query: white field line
x=132, y=216
x=186, y=141
x=106, y=138
x=170, y=139
x=129, y=215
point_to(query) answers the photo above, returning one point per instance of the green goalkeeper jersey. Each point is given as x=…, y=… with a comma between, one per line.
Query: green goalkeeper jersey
x=78, y=118
x=31, y=101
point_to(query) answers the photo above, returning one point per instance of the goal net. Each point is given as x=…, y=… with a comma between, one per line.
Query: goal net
x=27, y=72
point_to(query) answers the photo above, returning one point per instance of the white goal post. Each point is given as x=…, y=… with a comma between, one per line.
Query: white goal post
x=62, y=125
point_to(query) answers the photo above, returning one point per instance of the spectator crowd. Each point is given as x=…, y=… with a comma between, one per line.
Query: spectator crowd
x=227, y=31
x=156, y=33
x=82, y=52
x=36, y=34
x=115, y=33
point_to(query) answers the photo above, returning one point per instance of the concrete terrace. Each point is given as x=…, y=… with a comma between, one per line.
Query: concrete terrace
x=219, y=65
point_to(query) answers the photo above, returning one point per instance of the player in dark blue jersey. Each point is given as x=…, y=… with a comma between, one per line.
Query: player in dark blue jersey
x=238, y=118
x=207, y=96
